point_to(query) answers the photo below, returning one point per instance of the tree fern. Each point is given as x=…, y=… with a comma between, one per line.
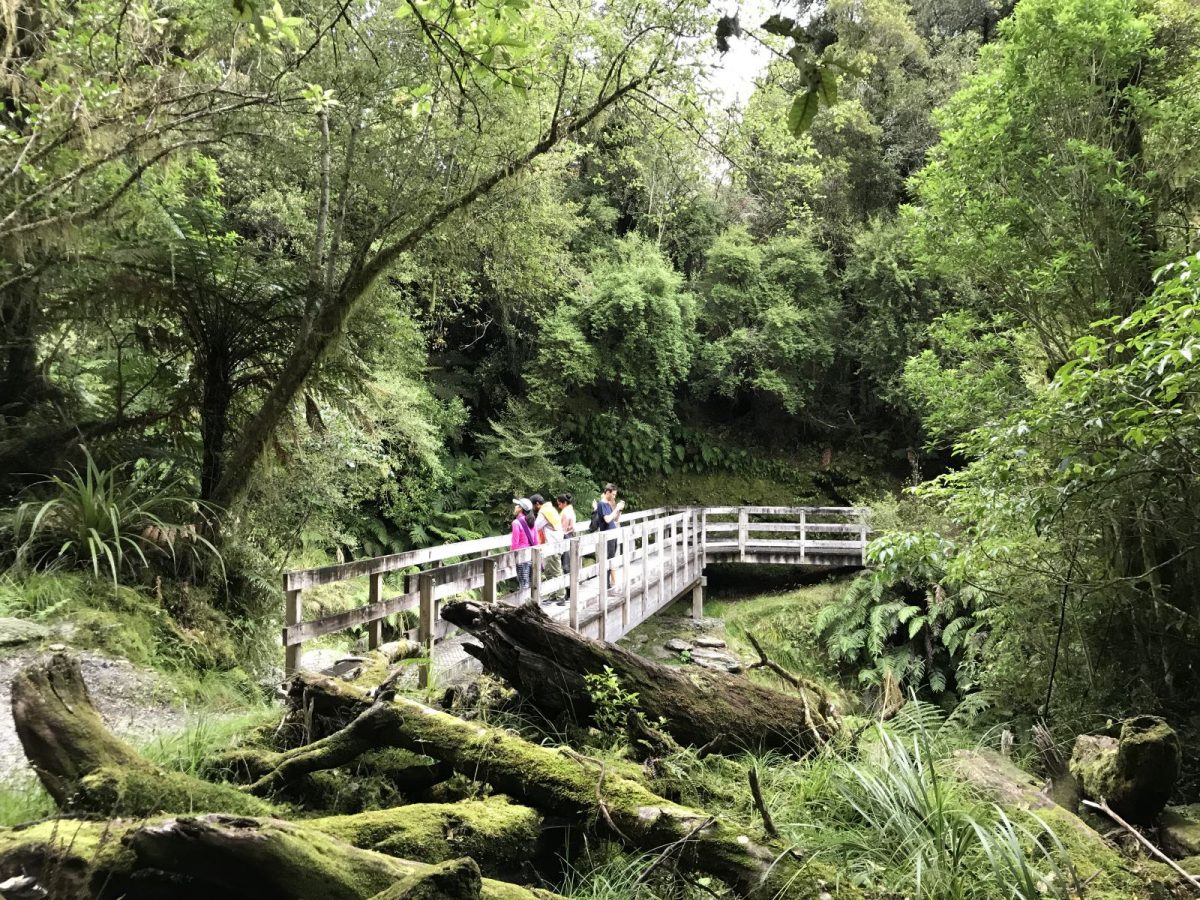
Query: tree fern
x=893, y=616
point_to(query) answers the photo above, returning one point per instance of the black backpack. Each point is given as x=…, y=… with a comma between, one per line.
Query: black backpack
x=597, y=523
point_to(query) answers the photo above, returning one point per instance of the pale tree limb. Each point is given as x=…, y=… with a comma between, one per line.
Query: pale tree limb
x=1103, y=807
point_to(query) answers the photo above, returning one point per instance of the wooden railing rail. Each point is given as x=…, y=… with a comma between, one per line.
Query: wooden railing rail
x=659, y=555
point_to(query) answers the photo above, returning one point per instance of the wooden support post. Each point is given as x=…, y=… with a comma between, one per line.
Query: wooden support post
x=703, y=539
x=689, y=536
x=576, y=562
x=645, y=570
x=375, y=626
x=626, y=574
x=535, y=574
x=488, y=594
x=743, y=522
x=662, y=564
x=291, y=616
x=862, y=536
x=698, y=598
x=602, y=582
x=803, y=535
x=674, y=525
x=425, y=626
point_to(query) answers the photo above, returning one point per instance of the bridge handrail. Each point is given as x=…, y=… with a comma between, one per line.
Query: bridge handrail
x=299, y=579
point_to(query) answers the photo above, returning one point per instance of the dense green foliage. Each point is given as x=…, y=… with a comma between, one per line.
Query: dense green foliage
x=283, y=287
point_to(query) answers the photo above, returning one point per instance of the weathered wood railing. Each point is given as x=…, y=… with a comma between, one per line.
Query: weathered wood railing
x=657, y=556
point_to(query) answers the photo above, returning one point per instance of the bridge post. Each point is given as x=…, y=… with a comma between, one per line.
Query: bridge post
x=575, y=560
x=698, y=597
x=862, y=534
x=425, y=626
x=803, y=534
x=602, y=582
x=375, y=626
x=703, y=539
x=662, y=564
x=645, y=572
x=488, y=594
x=626, y=573
x=743, y=528
x=291, y=616
x=535, y=575
x=685, y=557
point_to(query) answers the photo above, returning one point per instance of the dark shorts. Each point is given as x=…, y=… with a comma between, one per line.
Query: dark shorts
x=612, y=548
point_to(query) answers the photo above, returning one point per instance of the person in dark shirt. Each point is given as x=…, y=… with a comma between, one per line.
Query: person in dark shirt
x=608, y=518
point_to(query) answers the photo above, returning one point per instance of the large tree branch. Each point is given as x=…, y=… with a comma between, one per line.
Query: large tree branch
x=332, y=317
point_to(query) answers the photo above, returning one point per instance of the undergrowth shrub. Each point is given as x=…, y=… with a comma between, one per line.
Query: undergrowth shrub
x=100, y=519
x=909, y=622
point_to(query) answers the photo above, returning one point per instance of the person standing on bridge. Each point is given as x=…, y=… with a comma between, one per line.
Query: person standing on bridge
x=566, y=518
x=549, y=530
x=606, y=517
x=523, y=538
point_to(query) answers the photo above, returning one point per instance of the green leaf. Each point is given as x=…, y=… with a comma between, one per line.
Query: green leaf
x=802, y=112
x=827, y=89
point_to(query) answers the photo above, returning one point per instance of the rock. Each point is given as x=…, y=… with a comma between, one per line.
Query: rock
x=709, y=642
x=716, y=659
x=1135, y=773
x=678, y=645
x=1179, y=830
x=18, y=631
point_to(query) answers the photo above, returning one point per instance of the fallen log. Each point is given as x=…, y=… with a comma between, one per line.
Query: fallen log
x=497, y=834
x=455, y=880
x=236, y=858
x=548, y=663
x=560, y=782
x=84, y=766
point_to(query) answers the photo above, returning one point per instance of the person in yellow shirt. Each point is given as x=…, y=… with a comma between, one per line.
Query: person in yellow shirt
x=549, y=528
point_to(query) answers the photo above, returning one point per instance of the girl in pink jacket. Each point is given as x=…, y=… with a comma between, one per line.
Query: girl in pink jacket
x=523, y=537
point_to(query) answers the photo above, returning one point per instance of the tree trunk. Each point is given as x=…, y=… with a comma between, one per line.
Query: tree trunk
x=214, y=421
x=561, y=783
x=548, y=663
x=84, y=766
x=235, y=858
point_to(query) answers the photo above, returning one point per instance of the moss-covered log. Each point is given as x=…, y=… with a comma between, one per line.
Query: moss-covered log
x=236, y=858
x=84, y=766
x=561, y=783
x=458, y=879
x=498, y=834
x=1134, y=773
x=548, y=663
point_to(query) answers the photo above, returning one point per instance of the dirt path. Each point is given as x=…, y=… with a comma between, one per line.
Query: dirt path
x=135, y=703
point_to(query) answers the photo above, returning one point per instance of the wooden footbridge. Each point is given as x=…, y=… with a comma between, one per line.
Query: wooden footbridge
x=656, y=557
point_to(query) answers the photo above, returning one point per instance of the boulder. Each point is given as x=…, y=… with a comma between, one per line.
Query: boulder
x=14, y=632
x=1179, y=830
x=717, y=660
x=678, y=645
x=1135, y=773
x=709, y=642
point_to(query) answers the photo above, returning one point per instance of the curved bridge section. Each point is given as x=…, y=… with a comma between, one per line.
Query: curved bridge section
x=654, y=558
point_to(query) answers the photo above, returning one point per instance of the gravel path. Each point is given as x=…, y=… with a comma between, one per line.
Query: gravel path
x=135, y=703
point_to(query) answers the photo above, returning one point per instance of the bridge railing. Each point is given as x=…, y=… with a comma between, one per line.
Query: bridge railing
x=661, y=551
